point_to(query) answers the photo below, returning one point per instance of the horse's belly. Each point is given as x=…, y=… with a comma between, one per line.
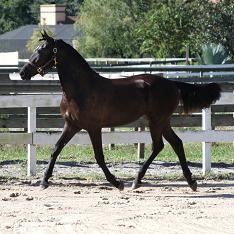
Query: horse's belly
x=122, y=116
x=118, y=111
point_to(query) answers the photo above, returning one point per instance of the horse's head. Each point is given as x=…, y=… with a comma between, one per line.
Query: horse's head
x=42, y=59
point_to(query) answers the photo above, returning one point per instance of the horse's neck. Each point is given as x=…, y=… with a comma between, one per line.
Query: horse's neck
x=75, y=75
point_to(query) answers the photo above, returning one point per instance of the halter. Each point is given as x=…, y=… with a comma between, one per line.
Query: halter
x=42, y=70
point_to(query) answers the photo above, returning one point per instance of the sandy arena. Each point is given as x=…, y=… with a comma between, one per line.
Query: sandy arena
x=73, y=206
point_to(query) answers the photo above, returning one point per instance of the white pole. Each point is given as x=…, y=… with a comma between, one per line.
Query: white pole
x=206, y=146
x=31, y=169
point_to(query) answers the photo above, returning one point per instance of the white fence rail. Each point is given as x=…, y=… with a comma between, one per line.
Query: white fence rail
x=33, y=138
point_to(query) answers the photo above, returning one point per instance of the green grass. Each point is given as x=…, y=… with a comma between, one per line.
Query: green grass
x=221, y=152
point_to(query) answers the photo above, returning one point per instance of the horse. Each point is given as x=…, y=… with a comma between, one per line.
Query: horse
x=92, y=102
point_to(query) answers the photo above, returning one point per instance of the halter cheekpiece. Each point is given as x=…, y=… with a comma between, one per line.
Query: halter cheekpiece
x=42, y=70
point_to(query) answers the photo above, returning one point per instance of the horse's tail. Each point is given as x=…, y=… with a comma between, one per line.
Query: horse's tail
x=197, y=96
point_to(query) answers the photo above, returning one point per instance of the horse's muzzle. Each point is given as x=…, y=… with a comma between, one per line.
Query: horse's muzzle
x=23, y=75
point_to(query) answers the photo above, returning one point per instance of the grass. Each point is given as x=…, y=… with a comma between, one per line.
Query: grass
x=221, y=153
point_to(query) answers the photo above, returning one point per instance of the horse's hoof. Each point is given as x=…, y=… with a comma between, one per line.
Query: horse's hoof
x=44, y=185
x=193, y=185
x=121, y=186
x=136, y=184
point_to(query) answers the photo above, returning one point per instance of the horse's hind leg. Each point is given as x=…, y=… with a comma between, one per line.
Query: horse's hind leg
x=177, y=145
x=96, y=139
x=67, y=134
x=156, y=134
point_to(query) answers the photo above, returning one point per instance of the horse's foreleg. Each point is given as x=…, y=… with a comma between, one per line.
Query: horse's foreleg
x=96, y=139
x=157, y=147
x=177, y=146
x=67, y=134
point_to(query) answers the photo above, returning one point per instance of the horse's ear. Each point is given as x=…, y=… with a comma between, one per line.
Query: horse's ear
x=42, y=36
x=45, y=37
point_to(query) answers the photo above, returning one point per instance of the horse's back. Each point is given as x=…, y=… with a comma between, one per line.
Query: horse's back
x=147, y=79
x=160, y=94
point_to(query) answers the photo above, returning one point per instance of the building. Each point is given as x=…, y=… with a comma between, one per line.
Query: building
x=54, y=17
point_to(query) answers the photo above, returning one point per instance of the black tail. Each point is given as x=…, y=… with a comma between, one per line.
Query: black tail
x=197, y=96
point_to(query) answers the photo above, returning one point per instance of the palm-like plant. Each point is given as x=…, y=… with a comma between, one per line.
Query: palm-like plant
x=214, y=54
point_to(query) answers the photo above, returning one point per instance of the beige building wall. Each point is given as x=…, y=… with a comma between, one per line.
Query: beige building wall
x=52, y=14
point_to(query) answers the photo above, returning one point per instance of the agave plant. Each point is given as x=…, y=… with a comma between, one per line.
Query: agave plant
x=214, y=54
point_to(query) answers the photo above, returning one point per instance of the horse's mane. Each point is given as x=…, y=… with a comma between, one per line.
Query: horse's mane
x=74, y=53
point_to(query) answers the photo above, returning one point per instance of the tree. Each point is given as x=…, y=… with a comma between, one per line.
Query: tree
x=218, y=26
x=166, y=30
x=14, y=14
x=73, y=6
x=135, y=28
x=108, y=27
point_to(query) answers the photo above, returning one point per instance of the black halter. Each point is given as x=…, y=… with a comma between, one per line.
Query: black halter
x=42, y=70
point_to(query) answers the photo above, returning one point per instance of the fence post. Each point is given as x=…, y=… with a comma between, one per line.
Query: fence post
x=141, y=146
x=31, y=167
x=206, y=146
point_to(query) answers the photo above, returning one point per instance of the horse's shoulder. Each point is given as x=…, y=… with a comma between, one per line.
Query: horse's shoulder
x=69, y=107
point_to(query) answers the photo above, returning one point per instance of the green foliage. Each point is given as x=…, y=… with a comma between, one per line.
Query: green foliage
x=217, y=25
x=108, y=27
x=214, y=54
x=73, y=6
x=14, y=14
x=165, y=30
x=136, y=28
x=36, y=36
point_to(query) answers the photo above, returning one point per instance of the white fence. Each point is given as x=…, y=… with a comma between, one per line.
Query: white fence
x=33, y=138
x=9, y=58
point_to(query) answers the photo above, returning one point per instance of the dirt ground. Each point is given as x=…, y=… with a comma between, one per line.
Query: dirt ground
x=73, y=206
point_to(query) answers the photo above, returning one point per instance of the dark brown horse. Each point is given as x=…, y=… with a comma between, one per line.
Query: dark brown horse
x=92, y=102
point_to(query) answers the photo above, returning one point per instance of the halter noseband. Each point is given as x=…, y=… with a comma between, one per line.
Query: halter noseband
x=42, y=70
